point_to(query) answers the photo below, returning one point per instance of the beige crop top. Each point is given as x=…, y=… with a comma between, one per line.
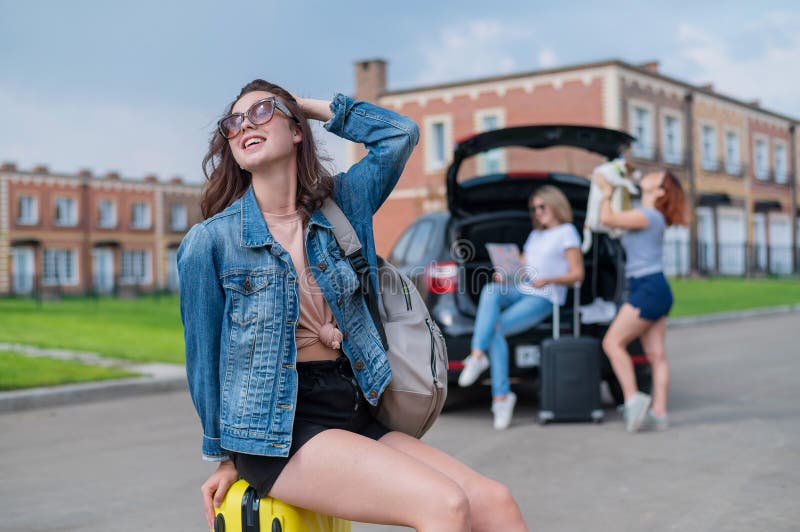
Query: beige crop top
x=318, y=337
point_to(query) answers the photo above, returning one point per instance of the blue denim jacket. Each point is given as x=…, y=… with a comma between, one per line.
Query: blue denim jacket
x=239, y=300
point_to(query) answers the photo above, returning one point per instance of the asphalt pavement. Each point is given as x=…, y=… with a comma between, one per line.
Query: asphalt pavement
x=730, y=461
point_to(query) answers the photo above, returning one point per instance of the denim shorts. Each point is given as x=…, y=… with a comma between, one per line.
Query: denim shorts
x=651, y=295
x=328, y=397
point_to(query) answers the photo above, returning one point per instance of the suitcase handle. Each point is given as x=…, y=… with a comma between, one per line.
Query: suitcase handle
x=576, y=318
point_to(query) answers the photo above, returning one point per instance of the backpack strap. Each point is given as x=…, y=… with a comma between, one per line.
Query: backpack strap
x=351, y=246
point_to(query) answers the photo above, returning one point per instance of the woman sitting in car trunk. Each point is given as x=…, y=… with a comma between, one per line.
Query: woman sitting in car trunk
x=507, y=307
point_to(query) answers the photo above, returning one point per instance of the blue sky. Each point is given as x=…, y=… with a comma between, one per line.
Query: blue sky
x=136, y=87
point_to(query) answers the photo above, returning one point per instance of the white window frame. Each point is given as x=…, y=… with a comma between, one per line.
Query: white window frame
x=780, y=243
x=733, y=167
x=111, y=221
x=433, y=163
x=732, y=249
x=178, y=223
x=140, y=275
x=708, y=159
x=30, y=214
x=173, y=278
x=146, y=222
x=677, y=157
x=761, y=173
x=781, y=174
x=71, y=209
x=59, y=257
x=497, y=155
x=643, y=147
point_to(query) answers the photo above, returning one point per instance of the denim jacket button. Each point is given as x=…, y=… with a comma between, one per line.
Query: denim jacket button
x=321, y=266
x=339, y=301
x=359, y=365
x=373, y=394
x=247, y=284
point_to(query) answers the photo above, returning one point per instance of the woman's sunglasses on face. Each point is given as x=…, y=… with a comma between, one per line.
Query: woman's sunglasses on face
x=258, y=114
x=538, y=207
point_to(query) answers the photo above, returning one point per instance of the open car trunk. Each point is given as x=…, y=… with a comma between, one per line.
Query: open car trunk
x=603, y=263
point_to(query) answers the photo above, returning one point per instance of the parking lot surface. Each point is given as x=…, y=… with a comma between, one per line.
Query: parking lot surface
x=730, y=461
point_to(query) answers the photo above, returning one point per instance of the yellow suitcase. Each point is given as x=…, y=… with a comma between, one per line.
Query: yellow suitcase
x=242, y=510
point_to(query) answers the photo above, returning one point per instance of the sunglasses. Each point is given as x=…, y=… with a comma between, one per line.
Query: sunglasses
x=258, y=114
x=540, y=208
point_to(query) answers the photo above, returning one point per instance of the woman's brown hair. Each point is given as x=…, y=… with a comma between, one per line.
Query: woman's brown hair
x=672, y=204
x=556, y=200
x=226, y=182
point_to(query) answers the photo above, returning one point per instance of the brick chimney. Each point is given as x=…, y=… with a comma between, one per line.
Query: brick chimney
x=114, y=176
x=85, y=173
x=370, y=79
x=40, y=169
x=9, y=167
x=650, y=66
x=755, y=103
x=151, y=178
x=176, y=180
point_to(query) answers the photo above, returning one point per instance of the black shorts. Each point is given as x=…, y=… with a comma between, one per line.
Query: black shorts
x=328, y=397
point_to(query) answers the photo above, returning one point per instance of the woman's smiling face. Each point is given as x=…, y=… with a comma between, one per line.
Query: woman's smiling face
x=257, y=146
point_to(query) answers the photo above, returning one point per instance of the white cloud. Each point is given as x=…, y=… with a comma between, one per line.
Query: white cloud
x=547, y=58
x=114, y=136
x=758, y=62
x=475, y=48
x=135, y=141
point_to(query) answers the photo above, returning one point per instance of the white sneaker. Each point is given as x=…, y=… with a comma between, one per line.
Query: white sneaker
x=503, y=410
x=635, y=410
x=473, y=367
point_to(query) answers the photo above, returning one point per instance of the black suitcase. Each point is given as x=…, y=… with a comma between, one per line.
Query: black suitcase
x=570, y=380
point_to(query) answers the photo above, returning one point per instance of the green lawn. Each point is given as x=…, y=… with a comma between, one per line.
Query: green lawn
x=19, y=371
x=705, y=296
x=144, y=329
x=149, y=329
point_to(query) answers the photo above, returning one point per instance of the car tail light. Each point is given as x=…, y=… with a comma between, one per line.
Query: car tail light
x=441, y=277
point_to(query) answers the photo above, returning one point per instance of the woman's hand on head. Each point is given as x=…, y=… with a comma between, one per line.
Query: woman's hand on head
x=215, y=488
x=315, y=109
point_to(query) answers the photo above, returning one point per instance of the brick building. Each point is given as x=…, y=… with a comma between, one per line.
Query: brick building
x=737, y=160
x=76, y=234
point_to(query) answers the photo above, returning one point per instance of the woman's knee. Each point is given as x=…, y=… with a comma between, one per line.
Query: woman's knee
x=449, y=508
x=488, y=493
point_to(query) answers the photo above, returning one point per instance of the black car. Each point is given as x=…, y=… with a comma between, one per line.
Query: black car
x=445, y=256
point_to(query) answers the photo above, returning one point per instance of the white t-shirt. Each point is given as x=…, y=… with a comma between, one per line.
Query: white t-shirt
x=545, y=257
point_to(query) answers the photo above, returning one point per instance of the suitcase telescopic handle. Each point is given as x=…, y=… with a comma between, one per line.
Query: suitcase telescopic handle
x=576, y=318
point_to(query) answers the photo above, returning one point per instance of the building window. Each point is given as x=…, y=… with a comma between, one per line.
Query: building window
x=28, y=210
x=671, y=139
x=733, y=160
x=135, y=267
x=761, y=161
x=641, y=120
x=438, y=142
x=140, y=216
x=66, y=213
x=108, y=214
x=177, y=217
x=60, y=267
x=781, y=172
x=173, y=282
x=708, y=147
x=493, y=161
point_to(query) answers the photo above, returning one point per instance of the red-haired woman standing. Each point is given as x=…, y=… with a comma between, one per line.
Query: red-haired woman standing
x=644, y=314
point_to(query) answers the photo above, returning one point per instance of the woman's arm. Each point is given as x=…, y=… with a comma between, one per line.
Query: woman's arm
x=574, y=275
x=630, y=219
x=202, y=303
x=389, y=138
x=316, y=109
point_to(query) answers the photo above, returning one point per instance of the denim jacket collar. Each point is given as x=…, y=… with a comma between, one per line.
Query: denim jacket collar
x=254, y=228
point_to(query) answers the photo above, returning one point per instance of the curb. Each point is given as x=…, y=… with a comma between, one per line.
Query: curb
x=689, y=321
x=52, y=396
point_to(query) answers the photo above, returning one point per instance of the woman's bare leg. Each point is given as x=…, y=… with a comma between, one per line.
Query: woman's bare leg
x=625, y=328
x=653, y=341
x=491, y=504
x=350, y=476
